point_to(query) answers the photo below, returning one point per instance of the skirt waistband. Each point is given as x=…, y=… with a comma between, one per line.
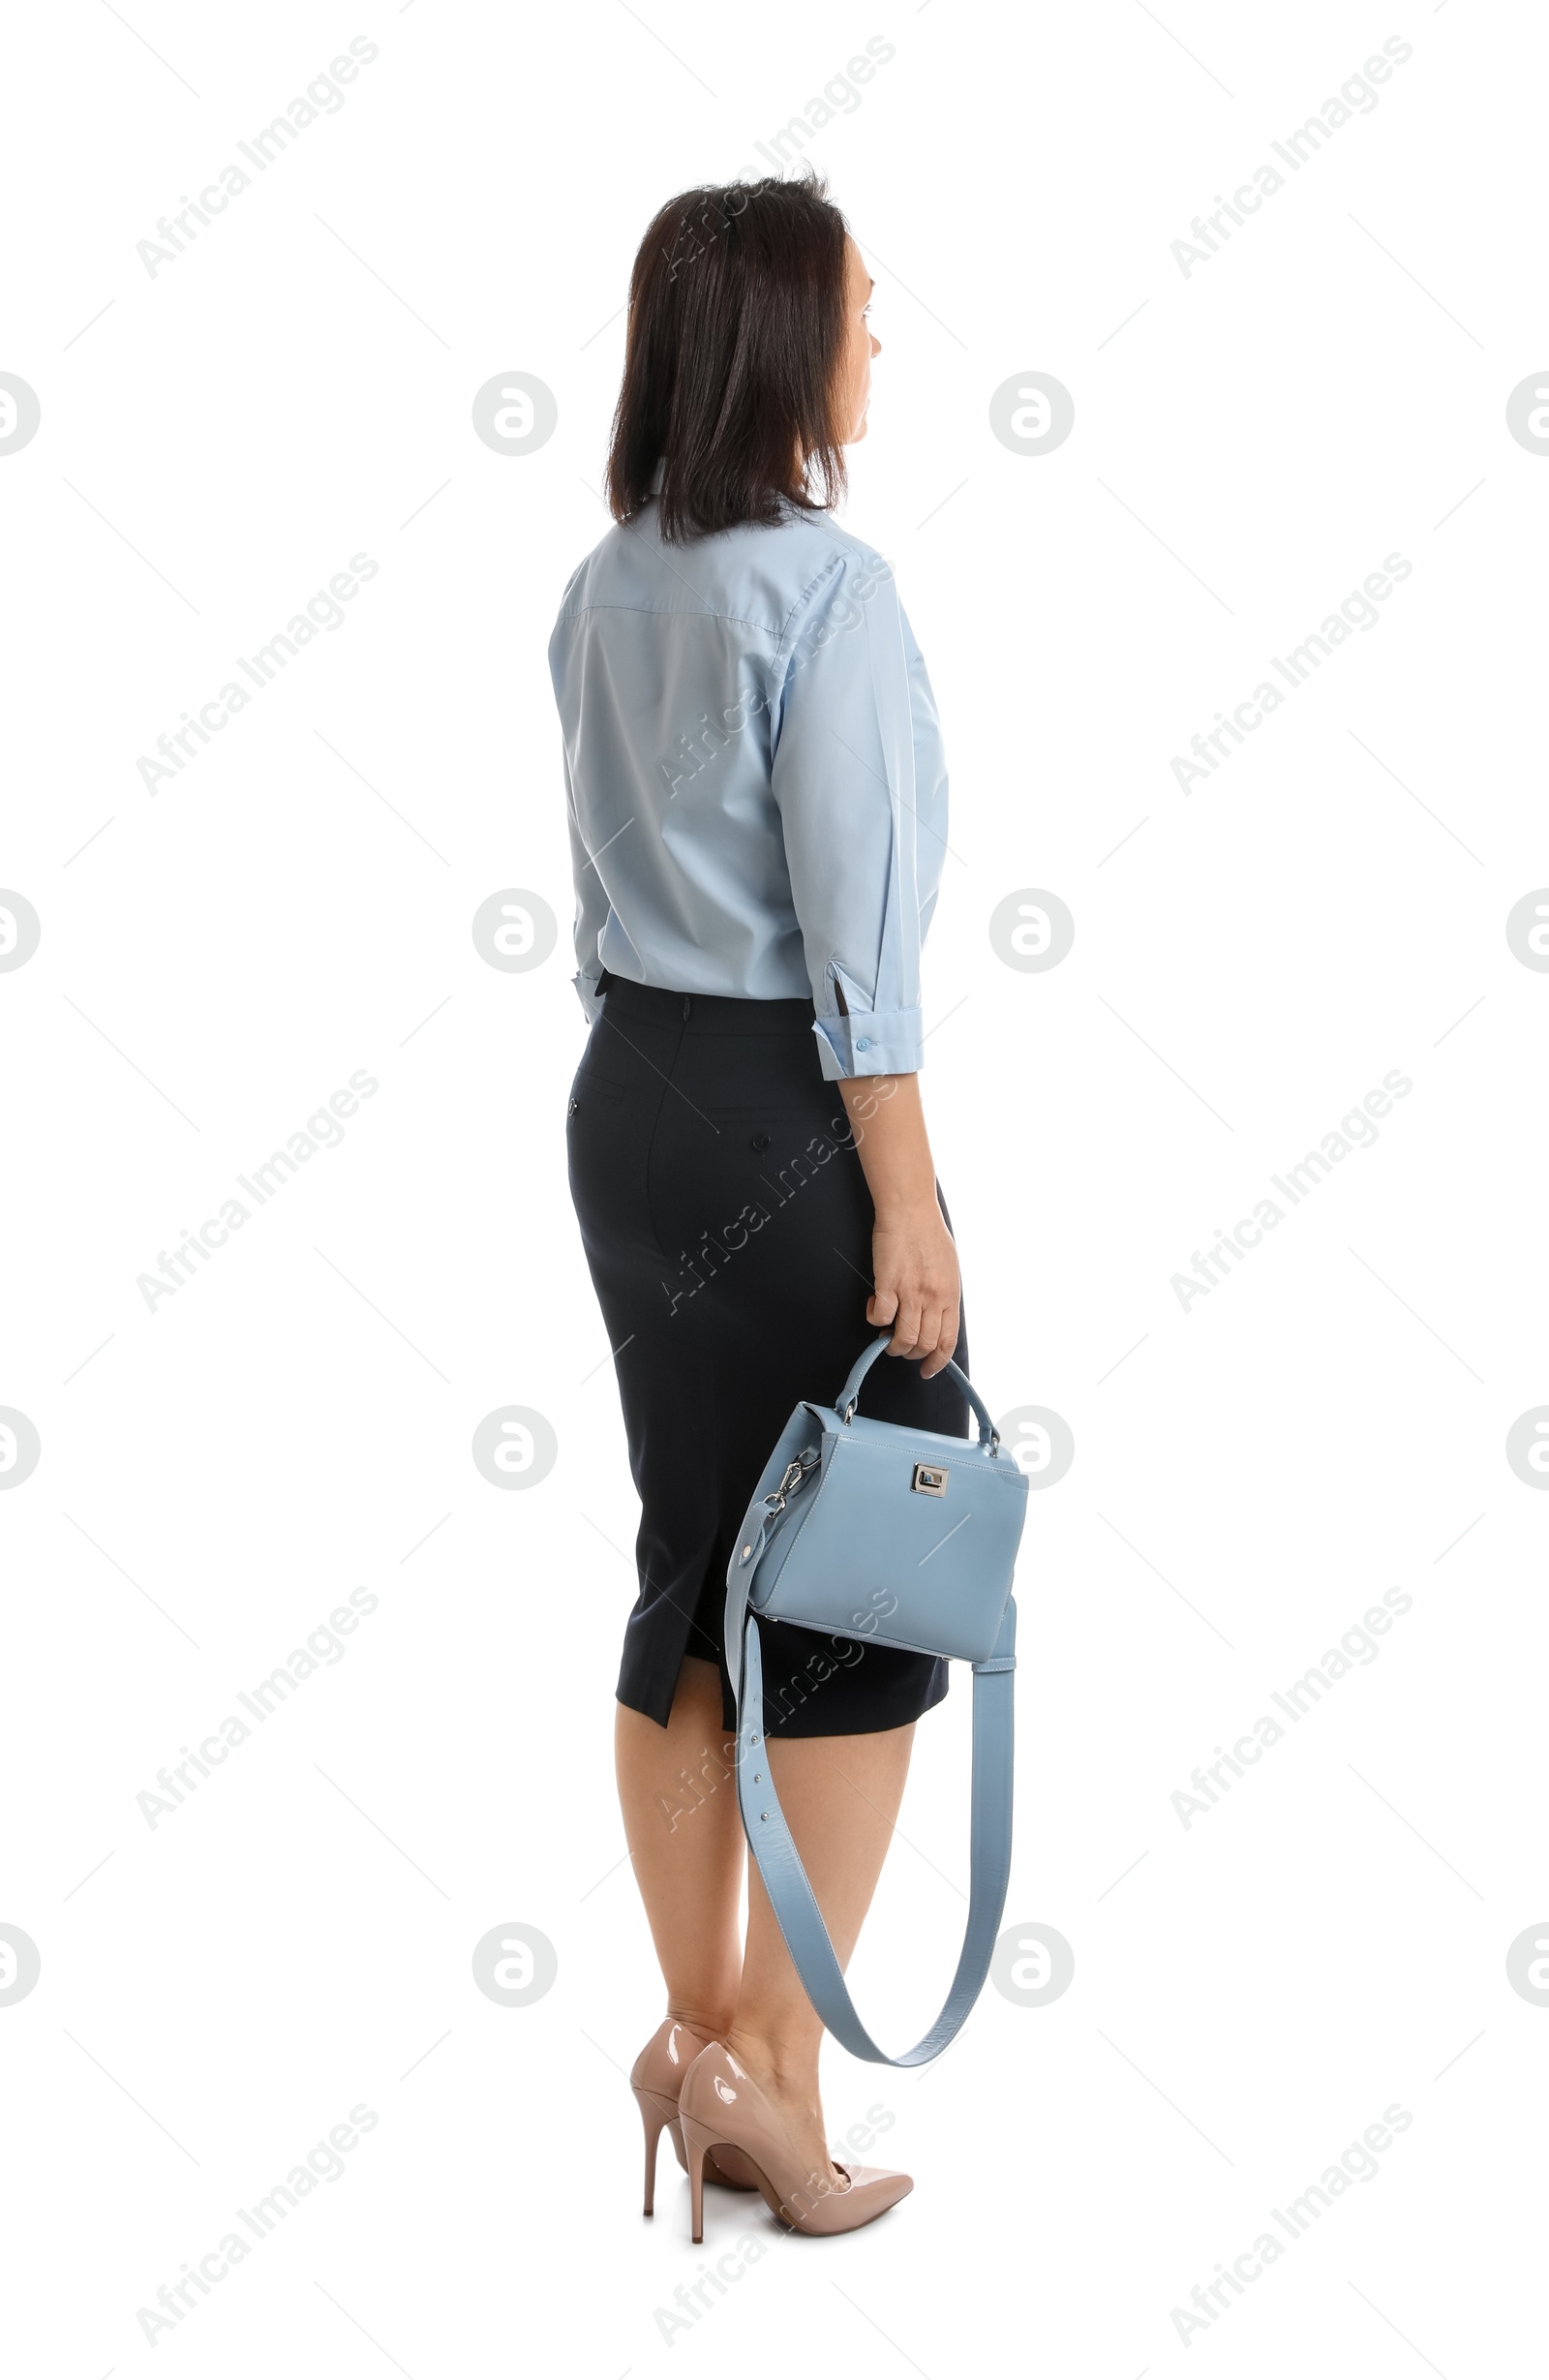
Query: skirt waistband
x=704, y=1012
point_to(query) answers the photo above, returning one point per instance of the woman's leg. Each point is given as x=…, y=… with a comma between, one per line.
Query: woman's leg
x=842, y=1795
x=678, y=1790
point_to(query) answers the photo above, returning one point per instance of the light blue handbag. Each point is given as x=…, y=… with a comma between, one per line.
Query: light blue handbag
x=898, y=1537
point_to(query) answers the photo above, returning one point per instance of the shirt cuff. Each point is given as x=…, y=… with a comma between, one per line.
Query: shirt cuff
x=860, y=1044
x=590, y=997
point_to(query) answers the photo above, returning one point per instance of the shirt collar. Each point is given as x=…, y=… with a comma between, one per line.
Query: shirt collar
x=656, y=477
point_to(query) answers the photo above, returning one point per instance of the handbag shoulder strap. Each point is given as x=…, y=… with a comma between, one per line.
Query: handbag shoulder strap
x=779, y=1864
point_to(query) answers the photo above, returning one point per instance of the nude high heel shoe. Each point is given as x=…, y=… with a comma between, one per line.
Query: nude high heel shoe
x=656, y=2079
x=722, y=2109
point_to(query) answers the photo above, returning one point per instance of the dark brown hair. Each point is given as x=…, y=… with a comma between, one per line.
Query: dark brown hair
x=735, y=326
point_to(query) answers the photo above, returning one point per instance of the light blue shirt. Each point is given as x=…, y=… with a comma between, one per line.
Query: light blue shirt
x=755, y=780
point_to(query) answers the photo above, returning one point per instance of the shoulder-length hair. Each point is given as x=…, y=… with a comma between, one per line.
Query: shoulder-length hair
x=736, y=327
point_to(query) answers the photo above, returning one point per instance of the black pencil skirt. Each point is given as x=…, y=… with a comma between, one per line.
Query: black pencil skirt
x=727, y=1226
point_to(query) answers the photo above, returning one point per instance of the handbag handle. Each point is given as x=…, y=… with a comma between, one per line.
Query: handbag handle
x=845, y=1404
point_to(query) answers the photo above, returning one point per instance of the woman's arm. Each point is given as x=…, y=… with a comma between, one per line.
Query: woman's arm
x=914, y=1259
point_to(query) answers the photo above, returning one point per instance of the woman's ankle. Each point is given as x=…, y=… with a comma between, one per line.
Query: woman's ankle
x=700, y=2018
x=788, y=2068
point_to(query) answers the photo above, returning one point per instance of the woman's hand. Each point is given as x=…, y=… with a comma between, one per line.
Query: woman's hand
x=916, y=1285
x=914, y=1264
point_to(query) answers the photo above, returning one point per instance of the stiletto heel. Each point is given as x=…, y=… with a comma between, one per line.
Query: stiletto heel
x=656, y=2113
x=695, y=2144
x=655, y=2080
x=721, y=2110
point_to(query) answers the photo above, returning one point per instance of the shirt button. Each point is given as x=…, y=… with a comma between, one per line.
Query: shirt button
x=760, y=1139
x=863, y=1043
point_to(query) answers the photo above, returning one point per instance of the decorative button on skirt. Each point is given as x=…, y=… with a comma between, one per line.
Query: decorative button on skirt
x=727, y=1226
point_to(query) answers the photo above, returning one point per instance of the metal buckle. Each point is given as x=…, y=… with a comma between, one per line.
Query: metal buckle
x=929, y=1480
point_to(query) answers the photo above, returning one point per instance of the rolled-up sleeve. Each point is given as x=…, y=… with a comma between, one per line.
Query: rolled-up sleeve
x=844, y=783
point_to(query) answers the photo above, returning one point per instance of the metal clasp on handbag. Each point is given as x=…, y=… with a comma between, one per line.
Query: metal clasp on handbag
x=794, y=1472
x=929, y=1480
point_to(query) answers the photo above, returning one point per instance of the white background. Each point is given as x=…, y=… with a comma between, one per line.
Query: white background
x=1250, y=441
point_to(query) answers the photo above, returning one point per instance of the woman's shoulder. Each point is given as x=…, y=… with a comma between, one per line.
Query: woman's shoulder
x=761, y=575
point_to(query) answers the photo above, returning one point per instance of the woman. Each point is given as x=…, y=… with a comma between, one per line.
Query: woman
x=758, y=807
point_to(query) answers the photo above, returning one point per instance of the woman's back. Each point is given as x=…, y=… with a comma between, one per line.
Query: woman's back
x=755, y=778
